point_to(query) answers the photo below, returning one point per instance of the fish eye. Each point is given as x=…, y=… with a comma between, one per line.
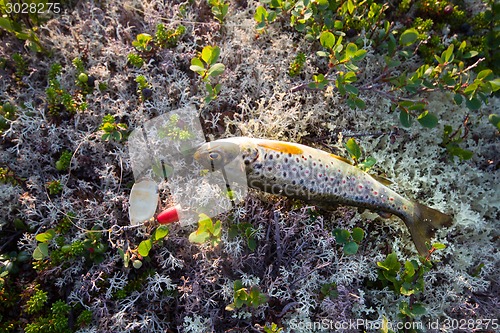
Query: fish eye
x=214, y=155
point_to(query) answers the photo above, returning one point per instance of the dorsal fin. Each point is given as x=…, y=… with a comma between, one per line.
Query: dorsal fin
x=282, y=147
x=340, y=158
x=382, y=180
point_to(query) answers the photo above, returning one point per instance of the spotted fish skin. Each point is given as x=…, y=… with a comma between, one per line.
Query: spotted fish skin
x=321, y=178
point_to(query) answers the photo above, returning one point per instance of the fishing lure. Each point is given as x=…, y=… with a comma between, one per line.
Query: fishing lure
x=320, y=178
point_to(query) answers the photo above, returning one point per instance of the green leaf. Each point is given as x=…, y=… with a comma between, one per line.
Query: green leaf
x=231, y=307
x=495, y=84
x=438, y=59
x=368, y=163
x=350, y=6
x=470, y=54
x=41, y=251
x=350, y=77
x=454, y=150
x=46, y=236
x=216, y=69
x=495, y=120
x=409, y=269
x=260, y=14
x=144, y=247
x=327, y=39
x=252, y=244
x=391, y=44
x=5, y=24
x=351, y=89
x=439, y=246
x=144, y=38
x=199, y=236
x=357, y=234
x=405, y=119
x=350, y=50
x=160, y=232
x=360, y=103
x=462, y=46
x=448, y=54
x=197, y=65
x=427, y=119
x=406, y=289
x=473, y=103
x=484, y=74
x=408, y=37
x=458, y=99
x=390, y=263
x=353, y=149
x=351, y=248
x=341, y=235
x=418, y=309
x=359, y=55
x=238, y=285
x=210, y=54
x=217, y=229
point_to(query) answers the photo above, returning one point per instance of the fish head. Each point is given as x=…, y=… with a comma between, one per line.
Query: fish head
x=217, y=154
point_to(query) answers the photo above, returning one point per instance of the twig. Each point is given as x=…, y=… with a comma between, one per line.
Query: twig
x=472, y=66
x=303, y=276
x=286, y=308
x=279, y=248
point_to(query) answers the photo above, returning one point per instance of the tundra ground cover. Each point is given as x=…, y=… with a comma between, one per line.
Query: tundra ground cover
x=76, y=82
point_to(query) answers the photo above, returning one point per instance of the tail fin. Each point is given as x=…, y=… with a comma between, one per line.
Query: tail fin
x=423, y=224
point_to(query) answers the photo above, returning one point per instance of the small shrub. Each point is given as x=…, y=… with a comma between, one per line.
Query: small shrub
x=142, y=42
x=168, y=38
x=207, y=231
x=143, y=88
x=329, y=290
x=7, y=114
x=59, y=100
x=55, y=322
x=349, y=240
x=112, y=130
x=7, y=176
x=246, y=231
x=273, y=328
x=84, y=319
x=54, y=187
x=219, y=9
x=63, y=163
x=135, y=60
x=136, y=256
x=37, y=301
x=406, y=279
x=243, y=296
x=297, y=65
x=354, y=151
x=206, y=65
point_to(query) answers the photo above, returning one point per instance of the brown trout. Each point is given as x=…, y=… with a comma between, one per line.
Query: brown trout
x=320, y=178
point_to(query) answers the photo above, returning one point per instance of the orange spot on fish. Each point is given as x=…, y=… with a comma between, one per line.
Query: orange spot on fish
x=375, y=193
x=281, y=147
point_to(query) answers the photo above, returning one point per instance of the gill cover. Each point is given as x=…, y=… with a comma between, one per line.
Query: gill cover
x=215, y=155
